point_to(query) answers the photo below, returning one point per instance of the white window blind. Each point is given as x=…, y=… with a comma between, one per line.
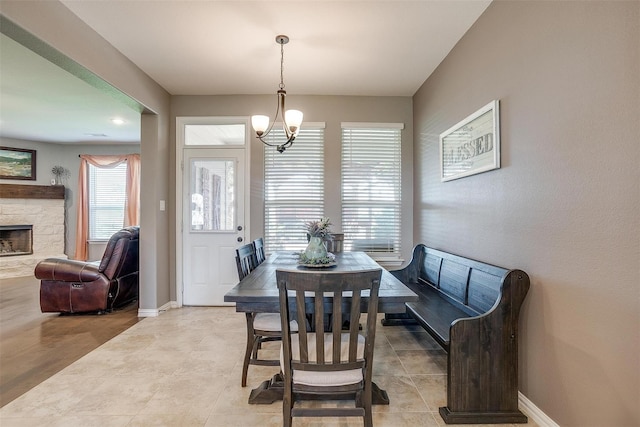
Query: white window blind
x=107, y=193
x=293, y=188
x=371, y=193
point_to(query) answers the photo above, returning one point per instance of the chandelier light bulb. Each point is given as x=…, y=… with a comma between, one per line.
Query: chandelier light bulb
x=293, y=120
x=260, y=123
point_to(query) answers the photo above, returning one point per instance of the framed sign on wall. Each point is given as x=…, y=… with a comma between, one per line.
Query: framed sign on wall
x=471, y=146
x=17, y=163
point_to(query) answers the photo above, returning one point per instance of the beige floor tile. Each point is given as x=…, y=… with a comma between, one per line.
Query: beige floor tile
x=387, y=364
x=54, y=397
x=411, y=340
x=256, y=374
x=423, y=361
x=119, y=395
x=403, y=394
x=383, y=346
x=183, y=368
x=404, y=419
x=433, y=389
x=69, y=421
x=99, y=363
x=187, y=394
x=247, y=419
x=165, y=420
x=235, y=400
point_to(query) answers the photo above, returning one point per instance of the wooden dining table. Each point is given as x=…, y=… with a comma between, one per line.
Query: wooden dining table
x=258, y=293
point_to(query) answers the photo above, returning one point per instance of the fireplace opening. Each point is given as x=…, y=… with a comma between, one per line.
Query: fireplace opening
x=16, y=240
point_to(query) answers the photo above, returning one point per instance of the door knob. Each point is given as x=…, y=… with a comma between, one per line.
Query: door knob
x=239, y=228
x=239, y=239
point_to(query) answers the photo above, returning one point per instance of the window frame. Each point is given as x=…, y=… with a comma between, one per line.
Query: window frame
x=296, y=207
x=91, y=211
x=351, y=201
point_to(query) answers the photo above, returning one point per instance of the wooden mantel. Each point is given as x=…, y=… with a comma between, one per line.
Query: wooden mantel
x=21, y=191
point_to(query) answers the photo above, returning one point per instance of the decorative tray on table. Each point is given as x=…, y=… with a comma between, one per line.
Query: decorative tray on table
x=325, y=262
x=331, y=264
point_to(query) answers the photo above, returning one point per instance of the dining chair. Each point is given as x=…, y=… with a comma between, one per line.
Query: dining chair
x=246, y=260
x=261, y=327
x=258, y=244
x=333, y=364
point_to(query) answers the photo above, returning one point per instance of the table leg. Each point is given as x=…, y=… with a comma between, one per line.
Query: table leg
x=272, y=390
x=268, y=392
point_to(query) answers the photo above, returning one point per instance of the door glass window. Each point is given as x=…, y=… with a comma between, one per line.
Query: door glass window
x=220, y=134
x=213, y=195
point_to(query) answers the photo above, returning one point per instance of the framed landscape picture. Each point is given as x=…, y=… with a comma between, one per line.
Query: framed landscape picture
x=472, y=145
x=17, y=163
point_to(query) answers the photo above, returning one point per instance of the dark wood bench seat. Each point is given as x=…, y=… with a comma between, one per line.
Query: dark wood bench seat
x=471, y=309
x=432, y=314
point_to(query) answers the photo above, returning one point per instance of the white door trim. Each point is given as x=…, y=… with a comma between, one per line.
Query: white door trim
x=180, y=145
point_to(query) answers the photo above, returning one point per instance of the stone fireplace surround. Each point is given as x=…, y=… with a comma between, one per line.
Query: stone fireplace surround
x=41, y=206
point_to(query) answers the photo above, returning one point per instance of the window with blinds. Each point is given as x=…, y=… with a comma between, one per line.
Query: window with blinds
x=293, y=188
x=107, y=193
x=371, y=193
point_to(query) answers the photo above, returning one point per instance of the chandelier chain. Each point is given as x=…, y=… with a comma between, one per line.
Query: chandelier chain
x=281, y=65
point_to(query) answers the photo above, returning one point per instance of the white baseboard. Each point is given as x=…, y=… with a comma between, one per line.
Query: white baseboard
x=535, y=413
x=155, y=312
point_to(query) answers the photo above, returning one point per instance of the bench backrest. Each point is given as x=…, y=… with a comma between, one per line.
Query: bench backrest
x=471, y=285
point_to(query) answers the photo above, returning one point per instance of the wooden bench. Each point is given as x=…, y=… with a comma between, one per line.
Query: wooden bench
x=471, y=309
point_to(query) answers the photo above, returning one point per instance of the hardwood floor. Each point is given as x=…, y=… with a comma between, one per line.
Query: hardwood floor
x=35, y=345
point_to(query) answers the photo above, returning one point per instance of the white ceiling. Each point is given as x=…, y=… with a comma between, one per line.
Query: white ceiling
x=376, y=48
x=40, y=101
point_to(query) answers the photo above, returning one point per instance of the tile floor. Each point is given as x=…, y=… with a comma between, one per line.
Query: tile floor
x=183, y=369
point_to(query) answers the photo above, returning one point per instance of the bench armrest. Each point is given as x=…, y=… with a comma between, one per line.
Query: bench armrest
x=483, y=353
x=411, y=272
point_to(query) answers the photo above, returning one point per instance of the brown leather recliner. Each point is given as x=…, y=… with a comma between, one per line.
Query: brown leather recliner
x=70, y=286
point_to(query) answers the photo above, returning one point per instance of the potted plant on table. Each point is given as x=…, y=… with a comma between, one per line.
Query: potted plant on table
x=316, y=251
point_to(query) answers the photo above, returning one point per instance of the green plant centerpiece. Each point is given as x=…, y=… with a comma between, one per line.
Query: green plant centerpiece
x=316, y=251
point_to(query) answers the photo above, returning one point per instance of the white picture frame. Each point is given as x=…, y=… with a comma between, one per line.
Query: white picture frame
x=471, y=146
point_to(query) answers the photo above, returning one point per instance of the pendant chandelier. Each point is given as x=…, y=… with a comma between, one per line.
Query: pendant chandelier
x=291, y=119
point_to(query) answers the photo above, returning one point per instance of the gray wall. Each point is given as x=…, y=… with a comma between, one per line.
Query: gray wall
x=80, y=44
x=564, y=206
x=49, y=155
x=329, y=109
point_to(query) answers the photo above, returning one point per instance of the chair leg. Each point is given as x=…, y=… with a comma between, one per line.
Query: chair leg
x=257, y=344
x=287, y=405
x=250, y=345
x=366, y=404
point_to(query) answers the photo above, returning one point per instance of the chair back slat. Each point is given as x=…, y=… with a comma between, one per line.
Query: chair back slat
x=319, y=326
x=304, y=348
x=246, y=260
x=354, y=324
x=258, y=245
x=342, y=293
x=336, y=326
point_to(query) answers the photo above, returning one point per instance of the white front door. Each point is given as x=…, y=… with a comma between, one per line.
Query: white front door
x=213, y=216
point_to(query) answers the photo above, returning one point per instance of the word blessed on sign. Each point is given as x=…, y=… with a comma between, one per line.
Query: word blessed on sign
x=471, y=146
x=467, y=150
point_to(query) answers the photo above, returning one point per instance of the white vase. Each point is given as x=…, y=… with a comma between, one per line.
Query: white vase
x=315, y=249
